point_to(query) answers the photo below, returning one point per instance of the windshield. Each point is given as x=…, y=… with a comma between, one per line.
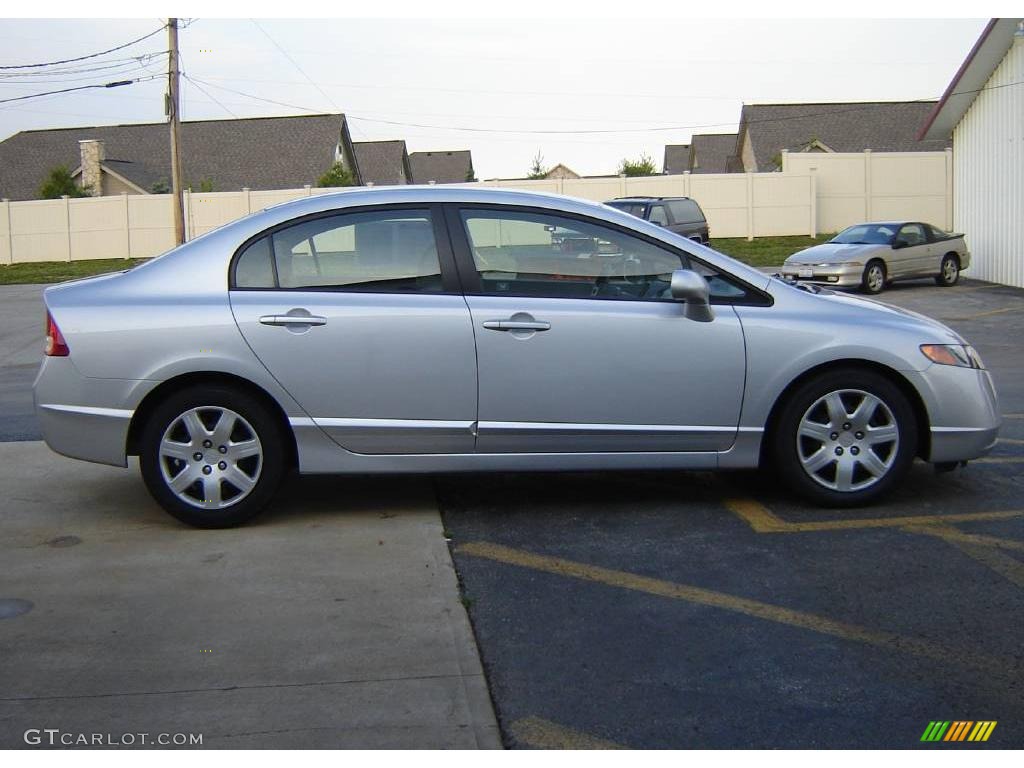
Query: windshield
x=866, y=234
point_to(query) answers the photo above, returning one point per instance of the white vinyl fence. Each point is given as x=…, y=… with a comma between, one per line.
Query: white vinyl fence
x=816, y=192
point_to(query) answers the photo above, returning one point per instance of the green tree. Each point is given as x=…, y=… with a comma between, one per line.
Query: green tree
x=471, y=175
x=205, y=185
x=537, y=170
x=644, y=166
x=59, y=183
x=337, y=176
x=160, y=187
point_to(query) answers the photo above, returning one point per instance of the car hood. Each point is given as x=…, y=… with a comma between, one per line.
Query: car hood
x=832, y=253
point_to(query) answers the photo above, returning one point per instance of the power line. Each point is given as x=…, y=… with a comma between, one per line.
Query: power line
x=83, y=58
x=300, y=70
x=142, y=59
x=114, y=84
x=209, y=95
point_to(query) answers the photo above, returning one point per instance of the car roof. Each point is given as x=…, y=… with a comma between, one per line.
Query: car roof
x=644, y=198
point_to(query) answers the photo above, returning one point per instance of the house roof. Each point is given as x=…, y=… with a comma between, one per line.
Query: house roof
x=677, y=158
x=383, y=162
x=711, y=152
x=882, y=126
x=974, y=72
x=259, y=153
x=453, y=167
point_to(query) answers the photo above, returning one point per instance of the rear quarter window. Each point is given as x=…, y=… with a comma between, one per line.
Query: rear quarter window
x=686, y=212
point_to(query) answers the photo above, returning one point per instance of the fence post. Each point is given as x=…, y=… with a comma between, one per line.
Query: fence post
x=814, y=202
x=686, y=184
x=867, y=185
x=750, y=206
x=67, y=222
x=248, y=200
x=127, y=226
x=622, y=185
x=10, y=232
x=188, y=214
x=309, y=190
x=949, y=189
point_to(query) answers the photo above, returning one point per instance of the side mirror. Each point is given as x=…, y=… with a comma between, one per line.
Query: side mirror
x=690, y=287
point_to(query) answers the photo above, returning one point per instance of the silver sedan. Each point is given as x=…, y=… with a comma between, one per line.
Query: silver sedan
x=870, y=256
x=447, y=329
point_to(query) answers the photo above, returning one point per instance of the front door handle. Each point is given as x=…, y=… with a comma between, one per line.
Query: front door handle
x=293, y=320
x=517, y=325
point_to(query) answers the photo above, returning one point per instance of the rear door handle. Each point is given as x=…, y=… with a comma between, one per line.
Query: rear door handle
x=289, y=320
x=517, y=325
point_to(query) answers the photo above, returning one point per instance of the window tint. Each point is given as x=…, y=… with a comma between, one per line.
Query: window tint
x=658, y=215
x=912, y=234
x=936, y=233
x=686, y=212
x=384, y=251
x=253, y=268
x=633, y=209
x=865, y=234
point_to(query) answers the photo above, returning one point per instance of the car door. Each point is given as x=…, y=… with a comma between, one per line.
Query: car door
x=912, y=256
x=586, y=351
x=358, y=315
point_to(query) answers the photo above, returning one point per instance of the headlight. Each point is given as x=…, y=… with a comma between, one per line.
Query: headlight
x=960, y=355
x=852, y=264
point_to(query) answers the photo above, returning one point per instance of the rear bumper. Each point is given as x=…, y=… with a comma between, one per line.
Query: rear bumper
x=81, y=417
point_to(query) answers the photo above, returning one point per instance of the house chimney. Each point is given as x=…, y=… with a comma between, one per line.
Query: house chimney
x=93, y=156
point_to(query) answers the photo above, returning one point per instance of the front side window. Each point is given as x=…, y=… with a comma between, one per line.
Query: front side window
x=374, y=251
x=912, y=234
x=536, y=254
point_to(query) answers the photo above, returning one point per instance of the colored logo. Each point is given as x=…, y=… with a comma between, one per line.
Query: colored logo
x=958, y=730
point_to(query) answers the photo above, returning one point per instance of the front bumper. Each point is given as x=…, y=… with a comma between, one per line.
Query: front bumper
x=836, y=276
x=963, y=411
x=82, y=417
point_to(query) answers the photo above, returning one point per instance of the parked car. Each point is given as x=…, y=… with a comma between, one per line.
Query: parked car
x=872, y=255
x=436, y=329
x=681, y=215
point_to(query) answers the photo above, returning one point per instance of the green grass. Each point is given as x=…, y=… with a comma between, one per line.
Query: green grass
x=765, y=251
x=56, y=271
x=760, y=252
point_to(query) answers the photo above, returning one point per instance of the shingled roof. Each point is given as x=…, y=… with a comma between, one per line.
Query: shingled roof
x=677, y=158
x=881, y=126
x=453, y=167
x=711, y=152
x=259, y=153
x=383, y=162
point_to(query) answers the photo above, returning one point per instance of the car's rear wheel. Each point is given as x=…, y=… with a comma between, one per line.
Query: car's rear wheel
x=845, y=437
x=874, y=277
x=212, y=456
x=949, y=272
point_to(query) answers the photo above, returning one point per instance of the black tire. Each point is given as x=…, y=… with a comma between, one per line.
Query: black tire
x=949, y=271
x=786, y=443
x=267, y=471
x=874, y=279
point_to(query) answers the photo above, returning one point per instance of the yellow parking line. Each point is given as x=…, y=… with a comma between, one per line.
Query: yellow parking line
x=543, y=734
x=761, y=519
x=988, y=313
x=999, y=460
x=1006, y=566
x=953, y=534
x=1013, y=415
x=742, y=605
x=1010, y=441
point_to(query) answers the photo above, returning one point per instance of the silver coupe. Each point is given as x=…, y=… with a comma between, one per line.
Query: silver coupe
x=438, y=329
x=870, y=256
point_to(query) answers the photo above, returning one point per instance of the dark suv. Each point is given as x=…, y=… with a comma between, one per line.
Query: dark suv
x=681, y=215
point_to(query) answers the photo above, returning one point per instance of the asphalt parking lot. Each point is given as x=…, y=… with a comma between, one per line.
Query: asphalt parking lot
x=654, y=609
x=690, y=610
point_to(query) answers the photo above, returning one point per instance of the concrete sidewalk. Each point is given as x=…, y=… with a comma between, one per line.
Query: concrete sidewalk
x=334, y=621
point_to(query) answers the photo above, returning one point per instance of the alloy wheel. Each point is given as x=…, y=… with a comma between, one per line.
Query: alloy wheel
x=847, y=440
x=210, y=457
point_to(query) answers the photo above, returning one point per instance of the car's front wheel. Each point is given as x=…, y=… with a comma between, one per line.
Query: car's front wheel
x=873, y=279
x=212, y=456
x=845, y=437
x=949, y=272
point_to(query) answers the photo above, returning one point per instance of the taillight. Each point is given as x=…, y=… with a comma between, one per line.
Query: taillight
x=55, y=344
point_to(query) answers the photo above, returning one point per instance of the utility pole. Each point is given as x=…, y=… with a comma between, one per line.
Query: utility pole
x=173, y=92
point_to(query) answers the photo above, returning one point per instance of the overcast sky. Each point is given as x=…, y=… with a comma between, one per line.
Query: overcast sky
x=515, y=76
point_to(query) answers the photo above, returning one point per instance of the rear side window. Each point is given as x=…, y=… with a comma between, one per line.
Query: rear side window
x=633, y=209
x=658, y=215
x=686, y=212
x=375, y=251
